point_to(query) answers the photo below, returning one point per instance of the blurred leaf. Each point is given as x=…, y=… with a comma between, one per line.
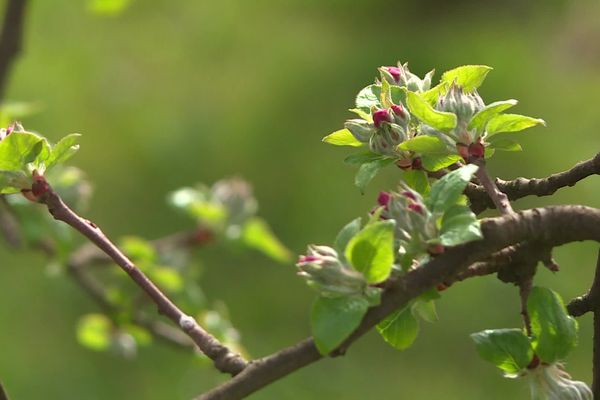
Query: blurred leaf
x=142, y=336
x=166, y=278
x=501, y=143
x=507, y=349
x=257, y=234
x=347, y=233
x=426, y=310
x=361, y=113
x=480, y=120
x=343, y=137
x=469, y=77
x=446, y=191
x=511, y=123
x=444, y=121
x=368, y=170
x=94, y=331
x=108, y=7
x=334, y=319
x=371, y=251
x=432, y=162
x=138, y=249
x=554, y=330
x=416, y=180
x=399, y=329
x=369, y=97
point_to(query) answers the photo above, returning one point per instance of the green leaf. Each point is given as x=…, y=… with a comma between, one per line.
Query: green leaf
x=361, y=113
x=511, y=123
x=63, y=150
x=434, y=162
x=459, y=225
x=416, y=180
x=482, y=117
x=368, y=170
x=501, y=143
x=554, y=330
x=432, y=95
x=257, y=234
x=399, y=329
x=424, y=144
x=363, y=157
x=343, y=137
x=334, y=319
x=94, y=332
x=446, y=191
x=507, y=349
x=20, y=148
x=142, y=336
x=138, y=249
x=469, y=77
x=444, y=121
x=347, y=233
x=371, y=251
x=107, y=7
x=425, y=310
x=369, y=97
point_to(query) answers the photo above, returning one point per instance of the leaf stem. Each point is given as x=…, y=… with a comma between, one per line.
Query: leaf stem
x=224, y=359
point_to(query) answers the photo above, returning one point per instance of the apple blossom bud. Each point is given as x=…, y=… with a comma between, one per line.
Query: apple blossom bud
x=380, y=116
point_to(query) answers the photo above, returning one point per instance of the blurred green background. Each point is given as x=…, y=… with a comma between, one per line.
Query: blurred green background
x=170, y=93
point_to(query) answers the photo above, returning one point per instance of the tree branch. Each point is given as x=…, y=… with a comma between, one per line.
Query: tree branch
x=522, y=187
x=3, y=395
x=224, y=359
x=552, y=226
x=11, y=39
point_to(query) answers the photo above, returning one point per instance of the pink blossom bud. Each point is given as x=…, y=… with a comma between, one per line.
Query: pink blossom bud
x=476, y=150
x=384, y=198
x=381, y=116
x=399, y=111
x=394, y=72
x=416, y=208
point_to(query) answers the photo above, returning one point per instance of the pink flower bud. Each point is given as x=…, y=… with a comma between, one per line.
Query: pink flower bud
x=399, y=111
x=394, y=72
x=417, y=163
x=381, y=116
x=476, y=150
x=384, y=198
x=409, y=195
x=416, y=208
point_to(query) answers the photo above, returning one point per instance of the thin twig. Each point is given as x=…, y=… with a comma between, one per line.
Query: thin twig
x=11, y=39
x=224, y=359
x=552, y=226
x=499, y=199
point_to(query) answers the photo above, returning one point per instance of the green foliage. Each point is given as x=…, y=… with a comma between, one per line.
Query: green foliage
x=333, y=319
x=94, y=331
x=444, y=121
x=257, y=234
x=447, y=191
x=345, y=234
x=469, y=77
x=399, y=329
x=480, y=120
x=511, y=123
x=368, y=170
x=507, y=349
x=343, y=137
x=108, y=7
x=554, y=330
x=371, y=251
x=459, y=225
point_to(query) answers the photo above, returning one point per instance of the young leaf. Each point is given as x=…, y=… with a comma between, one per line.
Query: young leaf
x=416, y=180
x=369, y=97
x=446, y=191
x=424, y=144
x=554, y=330
x=343, y=137
x=94, y=332
x=371, y=251
x=431, y=96
x=511, y=123
x=368, y=170
x=435, y=162
x=363, y=157
x=361, y=113
x=459, y=225
x=347, y=233
x=507, y=349
x=482, y=117
x=425, y=310
x=444, y=121
x=399, y=329
x=20, y=148
x=257, y=234
x=469, y=77
x=334, y=319
x=501, y=143
x=63, y=150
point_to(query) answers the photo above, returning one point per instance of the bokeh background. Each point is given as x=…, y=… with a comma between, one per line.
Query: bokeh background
x=171, y=93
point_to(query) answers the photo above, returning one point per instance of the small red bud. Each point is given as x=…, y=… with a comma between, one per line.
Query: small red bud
x=394, y=72
x=416, y=208
x=436, y=249
x=476, y=150
x=535, y=361
x=381, y=116
x=441, y=287
x=417, y=163
x=39, y=186
x=399, y=111
x=384, y=199
x=404, y=164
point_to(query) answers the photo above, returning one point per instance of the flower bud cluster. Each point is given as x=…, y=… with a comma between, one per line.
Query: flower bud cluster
x=401, y=76
x=416, y=227
x=236, y=196
x=327, y=274
x=464, y=105
x=389, y=128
